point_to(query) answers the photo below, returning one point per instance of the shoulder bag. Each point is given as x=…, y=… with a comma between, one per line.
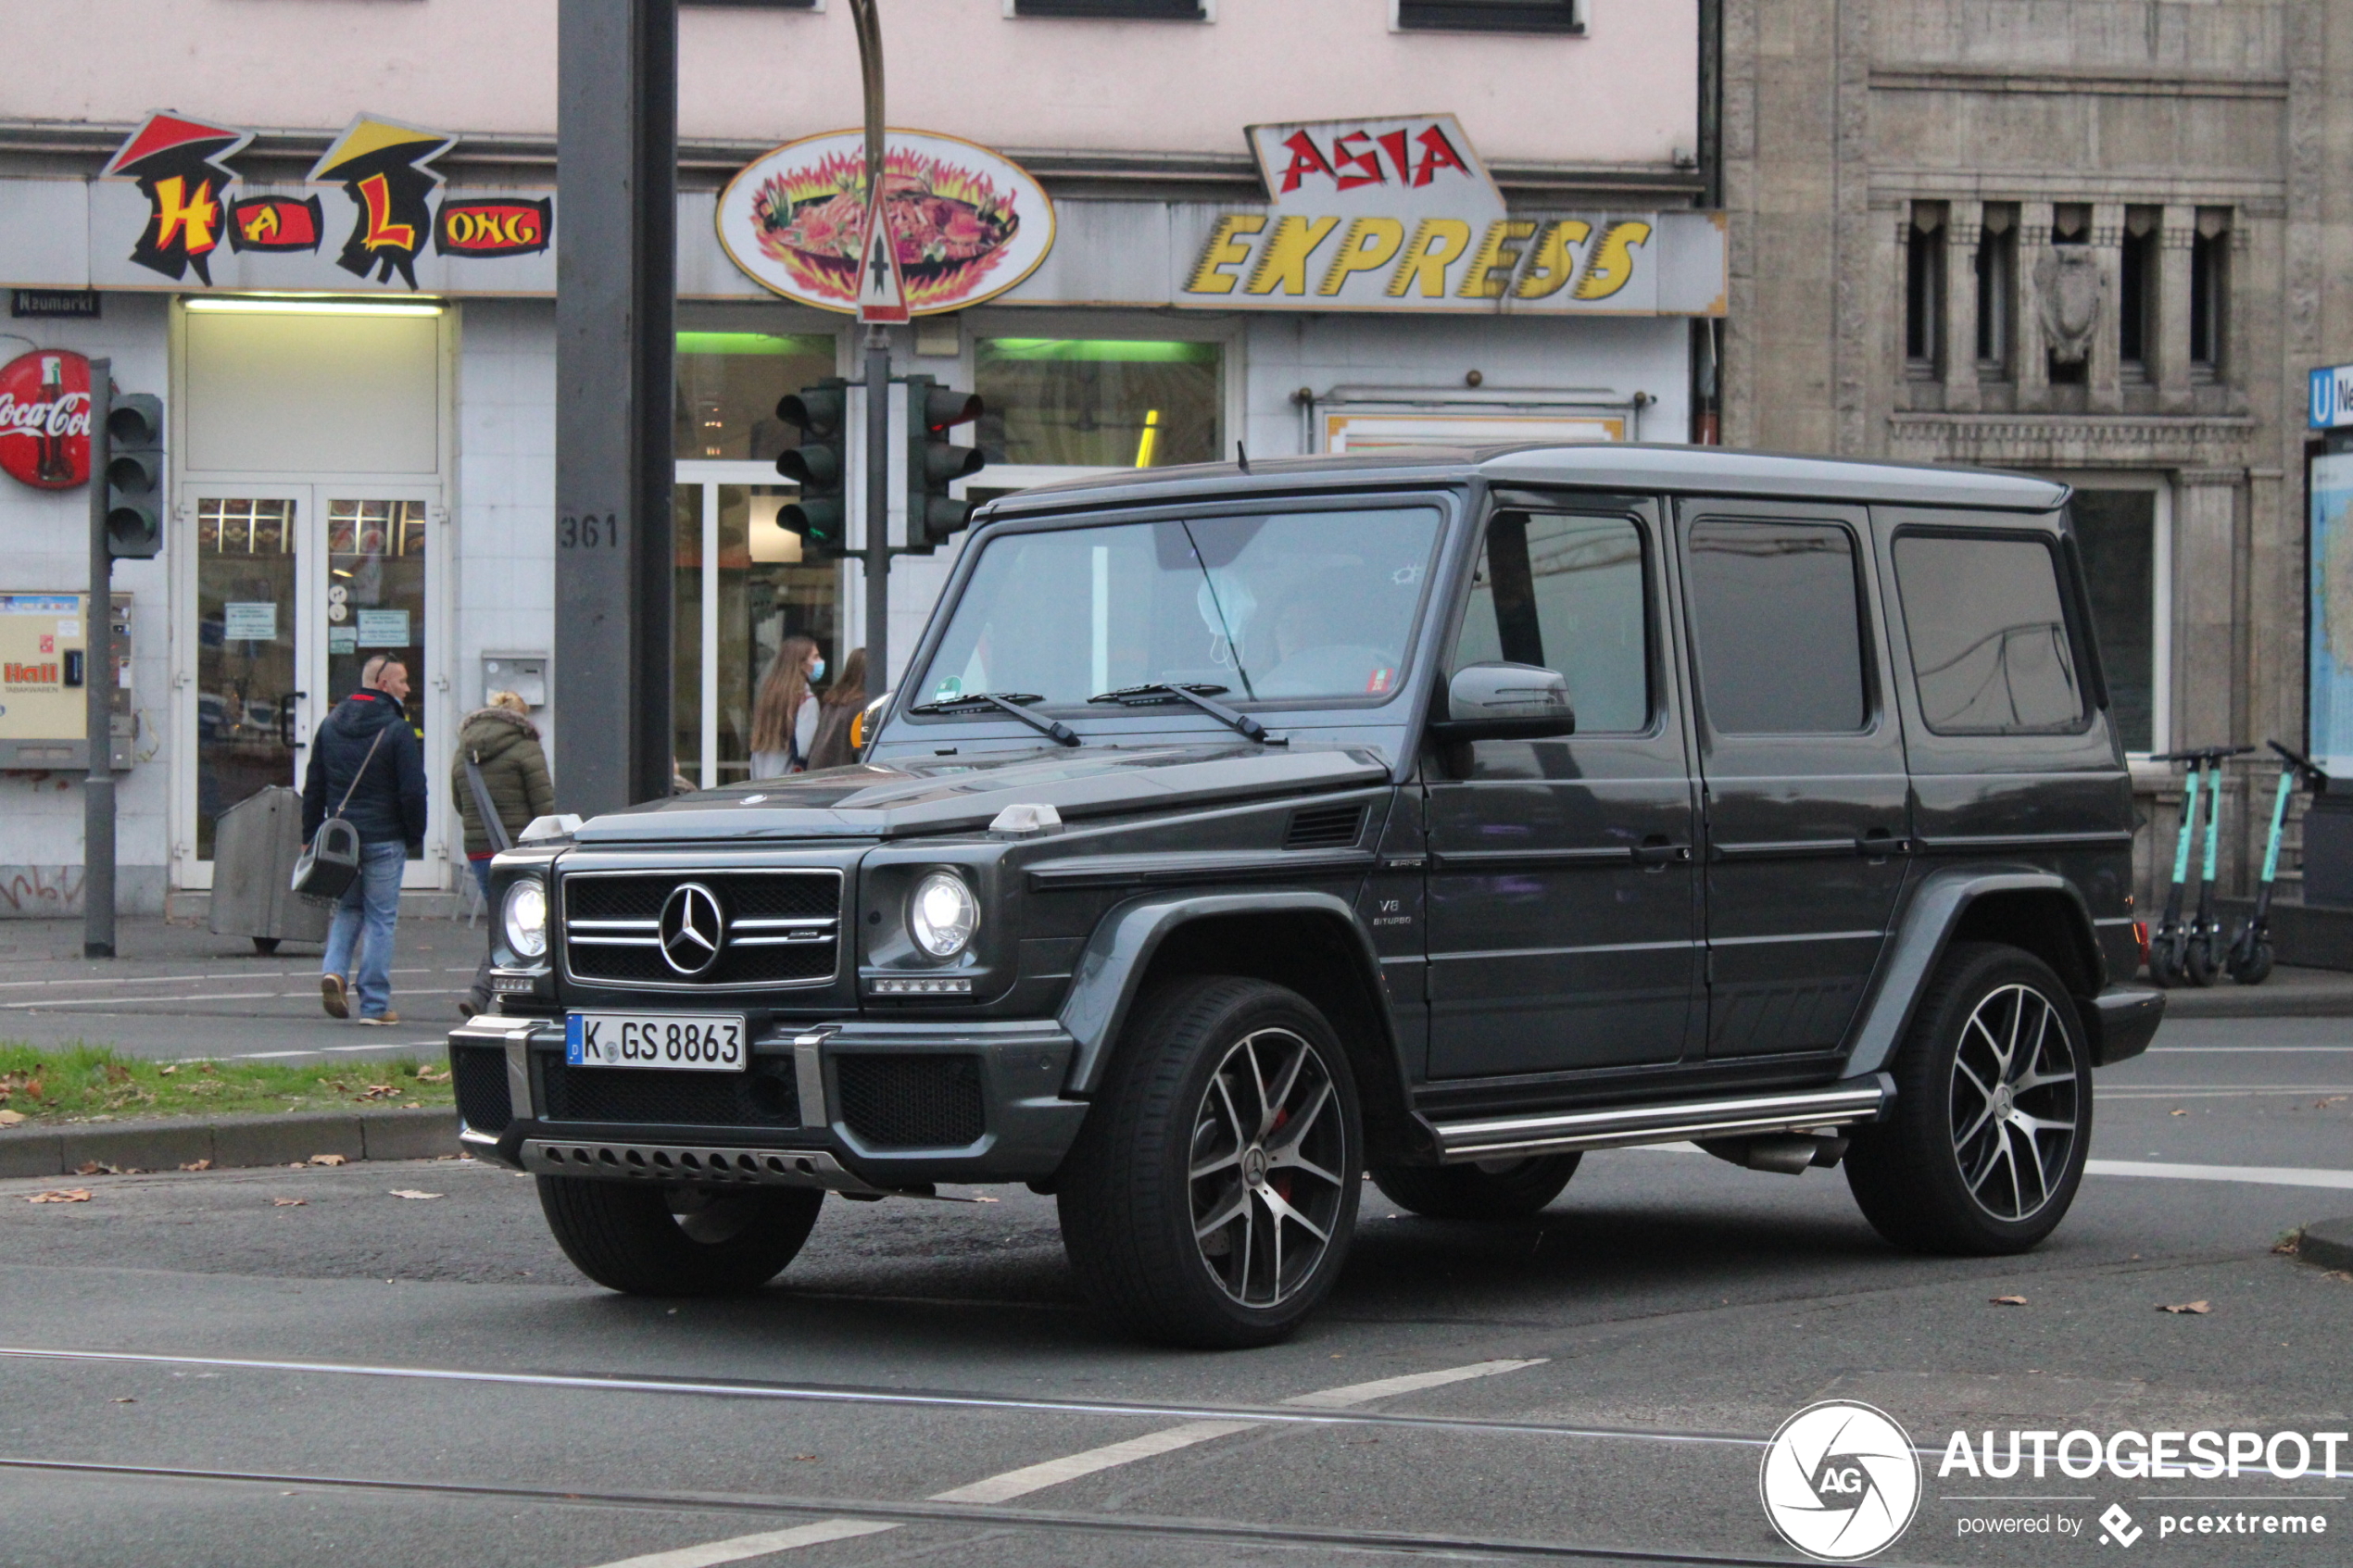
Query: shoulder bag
x=331, y=865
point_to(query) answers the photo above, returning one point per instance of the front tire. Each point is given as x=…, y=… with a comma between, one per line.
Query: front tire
x=1485, y=1190
x=648, y=1240
x=1984, y=1147
x=1209, y=1198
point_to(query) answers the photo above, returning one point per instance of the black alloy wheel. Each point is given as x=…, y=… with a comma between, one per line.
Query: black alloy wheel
x=1984, y=1147
x=644, y=1239
x=1211, y=1197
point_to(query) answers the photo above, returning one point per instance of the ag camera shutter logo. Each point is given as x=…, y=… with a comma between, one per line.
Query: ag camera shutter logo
x=1840, y=1481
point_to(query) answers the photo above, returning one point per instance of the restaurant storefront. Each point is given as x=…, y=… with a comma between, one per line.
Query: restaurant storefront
x=357, y=367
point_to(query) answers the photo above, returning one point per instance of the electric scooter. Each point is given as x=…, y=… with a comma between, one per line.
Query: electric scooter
x=2251, y=956
x=2192, y=954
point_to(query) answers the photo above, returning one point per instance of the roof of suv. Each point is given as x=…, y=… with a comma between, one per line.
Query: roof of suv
x=1617, y=467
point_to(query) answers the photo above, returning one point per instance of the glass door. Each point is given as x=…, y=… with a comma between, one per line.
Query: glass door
x=297, y=588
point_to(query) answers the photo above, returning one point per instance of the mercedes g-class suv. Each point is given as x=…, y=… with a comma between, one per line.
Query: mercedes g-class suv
x=1238, y=831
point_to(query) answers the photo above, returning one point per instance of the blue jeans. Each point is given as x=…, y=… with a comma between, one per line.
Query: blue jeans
x=372, y=898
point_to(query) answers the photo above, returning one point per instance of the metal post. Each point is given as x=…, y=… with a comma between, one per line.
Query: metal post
x=868, y=23
x=616, y=285
x=97, y=688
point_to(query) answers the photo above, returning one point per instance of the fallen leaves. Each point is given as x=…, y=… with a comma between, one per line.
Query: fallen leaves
x=61, y=1194
x=412, y=1193
x=2289, y=1245
x=2006, y=1301
x=126, y=1401
x=197, y=1165
x=93, y=1168
x=2177, y=1113
x=2196, y=1308
x=167, y=1070
x=10, y=1118
x=329, y=1159
x=432, y=1075
x=2332, y=1099
x=377, y=1091
x=289, y=1202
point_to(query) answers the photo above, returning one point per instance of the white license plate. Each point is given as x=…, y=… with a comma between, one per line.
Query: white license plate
x=702, y=1042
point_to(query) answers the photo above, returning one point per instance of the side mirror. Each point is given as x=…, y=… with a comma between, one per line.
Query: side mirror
x=1505, y=702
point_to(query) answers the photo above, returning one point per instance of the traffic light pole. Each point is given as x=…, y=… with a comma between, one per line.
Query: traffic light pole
x=878, y=551
x=98, y=682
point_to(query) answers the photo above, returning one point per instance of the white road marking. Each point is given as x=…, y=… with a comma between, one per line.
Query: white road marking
x=1055, y=1472
x=2260, y=1175
x=110, y=980
x=736, y=1550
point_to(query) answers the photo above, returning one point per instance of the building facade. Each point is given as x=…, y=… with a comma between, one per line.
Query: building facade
x=2100, y=241
x=340, y=280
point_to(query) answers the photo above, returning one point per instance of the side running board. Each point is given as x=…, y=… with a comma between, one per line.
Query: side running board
x=1840, y=1105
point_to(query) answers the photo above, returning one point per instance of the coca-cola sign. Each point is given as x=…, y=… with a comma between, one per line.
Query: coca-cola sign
x=44, y=418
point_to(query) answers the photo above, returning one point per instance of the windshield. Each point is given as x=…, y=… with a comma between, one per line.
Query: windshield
x=1291, y=607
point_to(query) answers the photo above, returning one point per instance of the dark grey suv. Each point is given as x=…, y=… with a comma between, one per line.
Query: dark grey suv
x=1438, y=816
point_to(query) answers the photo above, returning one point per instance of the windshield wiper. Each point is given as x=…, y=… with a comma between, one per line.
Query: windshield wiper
x=1197, y=693
x=1009, y=702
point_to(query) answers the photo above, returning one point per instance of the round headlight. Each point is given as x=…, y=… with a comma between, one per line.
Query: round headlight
x=943, y=915
x=524, y=917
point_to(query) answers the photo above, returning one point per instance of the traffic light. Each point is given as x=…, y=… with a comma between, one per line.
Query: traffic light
x=822, y=514
x=933, y=517
x=135, y=477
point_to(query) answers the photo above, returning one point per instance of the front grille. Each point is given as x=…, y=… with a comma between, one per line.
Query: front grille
x=783, y=928
x=1326, y=827
x=895, y=1100
x=480, y=1072
x=765, y=1095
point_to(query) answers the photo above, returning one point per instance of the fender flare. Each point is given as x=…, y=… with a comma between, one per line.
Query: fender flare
x=1930, y=916
x=1112, y=967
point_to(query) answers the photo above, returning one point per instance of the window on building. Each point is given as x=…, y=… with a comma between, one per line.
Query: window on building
x=1493, y=16
x=728, y=384
x=1989, y=641
x=1100, y=402
x=2137, y=290
x=1779, y=624
x=1566, y=593
x=2210, y=291
x=2118, y=532
x=1996, y=291
x=1924, y=290
x=1129, y=10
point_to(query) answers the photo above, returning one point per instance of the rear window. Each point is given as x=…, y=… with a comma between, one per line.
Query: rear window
x=1989, y=648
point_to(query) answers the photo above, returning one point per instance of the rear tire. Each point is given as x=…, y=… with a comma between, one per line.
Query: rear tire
x=647, y=1240
x=1473, y=1192
x=2252, y=961
x=265, y=945
x=1983, y=1149
x=1209, y=1197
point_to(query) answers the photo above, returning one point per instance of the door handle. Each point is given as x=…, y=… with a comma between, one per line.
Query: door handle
x=1879, y=844
x=286, y=731
x=1656, y=851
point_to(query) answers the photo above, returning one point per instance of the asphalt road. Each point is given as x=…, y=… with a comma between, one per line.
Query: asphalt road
x=1614, y=1366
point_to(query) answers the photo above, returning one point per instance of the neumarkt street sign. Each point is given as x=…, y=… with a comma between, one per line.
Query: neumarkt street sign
x=2332, y=398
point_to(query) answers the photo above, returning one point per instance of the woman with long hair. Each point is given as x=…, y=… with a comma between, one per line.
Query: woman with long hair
x=784, y=711
x=840, y=704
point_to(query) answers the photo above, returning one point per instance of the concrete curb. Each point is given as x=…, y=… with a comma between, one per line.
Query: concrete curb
x=229, y=1141
x=2328, y=1244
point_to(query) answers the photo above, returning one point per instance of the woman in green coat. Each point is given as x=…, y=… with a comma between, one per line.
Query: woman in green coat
x=503, y=743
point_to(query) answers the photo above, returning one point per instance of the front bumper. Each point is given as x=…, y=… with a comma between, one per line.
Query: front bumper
x=1008, y=1121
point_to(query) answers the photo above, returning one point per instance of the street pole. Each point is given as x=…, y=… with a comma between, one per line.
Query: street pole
x=868, y=23
x=98, y=682
x=616, y=287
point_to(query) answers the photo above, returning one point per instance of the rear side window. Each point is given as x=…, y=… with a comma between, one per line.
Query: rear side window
x=1566, y=592
x=1777, y=622
x=1989, y=650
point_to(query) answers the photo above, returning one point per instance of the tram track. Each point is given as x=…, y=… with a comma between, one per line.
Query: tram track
x=1056, y=1521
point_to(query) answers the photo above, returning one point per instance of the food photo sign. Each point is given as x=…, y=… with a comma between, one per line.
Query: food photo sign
x=966, y=223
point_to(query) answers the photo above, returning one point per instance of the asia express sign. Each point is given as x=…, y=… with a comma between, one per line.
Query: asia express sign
x=1401, y=215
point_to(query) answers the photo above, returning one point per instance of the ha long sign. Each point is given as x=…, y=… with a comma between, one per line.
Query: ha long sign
x=1400, y=215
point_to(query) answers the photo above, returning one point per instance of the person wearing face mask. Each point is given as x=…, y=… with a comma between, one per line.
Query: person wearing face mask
x=785, y=712
x=838, y=706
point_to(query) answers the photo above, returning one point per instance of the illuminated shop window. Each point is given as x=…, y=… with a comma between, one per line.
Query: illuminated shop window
x=1100, y=402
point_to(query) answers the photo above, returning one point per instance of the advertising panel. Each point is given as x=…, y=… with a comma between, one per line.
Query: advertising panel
x=2330, y=614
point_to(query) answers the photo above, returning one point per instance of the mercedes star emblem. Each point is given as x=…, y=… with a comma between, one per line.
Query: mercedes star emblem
x=693, y=928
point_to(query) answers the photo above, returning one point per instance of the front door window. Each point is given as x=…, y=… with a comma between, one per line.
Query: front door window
x=247, y=657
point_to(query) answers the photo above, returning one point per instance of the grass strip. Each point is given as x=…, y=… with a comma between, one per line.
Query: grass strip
x=85, y=1083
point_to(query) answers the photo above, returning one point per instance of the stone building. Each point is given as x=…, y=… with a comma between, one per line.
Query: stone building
x=2100, y=240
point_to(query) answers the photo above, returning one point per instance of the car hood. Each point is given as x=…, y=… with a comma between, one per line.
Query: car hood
x=905, y=799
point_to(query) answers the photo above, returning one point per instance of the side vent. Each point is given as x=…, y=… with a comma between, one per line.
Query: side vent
x=1326, y=827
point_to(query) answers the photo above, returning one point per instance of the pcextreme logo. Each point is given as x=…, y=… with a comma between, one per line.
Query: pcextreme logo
x=1840, y=1481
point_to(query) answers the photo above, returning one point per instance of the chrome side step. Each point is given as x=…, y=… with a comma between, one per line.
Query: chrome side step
x=1840, y=1105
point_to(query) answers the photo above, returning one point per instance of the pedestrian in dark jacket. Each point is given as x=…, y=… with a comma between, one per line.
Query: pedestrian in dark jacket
x=367, y=767
x=841, y=703
x=502, y=744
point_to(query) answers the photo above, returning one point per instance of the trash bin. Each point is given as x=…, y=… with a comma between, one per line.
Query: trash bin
x=255, y=844
x=2328, y=848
